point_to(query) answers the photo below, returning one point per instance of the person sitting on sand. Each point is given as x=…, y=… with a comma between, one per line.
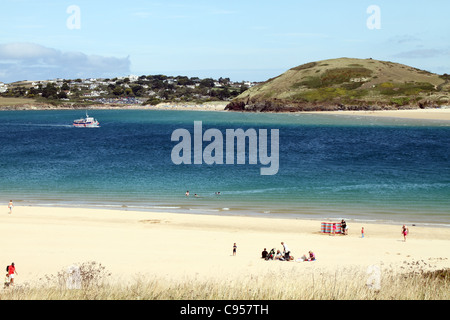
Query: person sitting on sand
x=271, y=254
x=312, y=256
x=264, y=253
x=279, y=256
x=287, y=251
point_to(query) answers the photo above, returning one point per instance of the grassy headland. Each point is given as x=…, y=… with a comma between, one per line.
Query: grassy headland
x=347, y=84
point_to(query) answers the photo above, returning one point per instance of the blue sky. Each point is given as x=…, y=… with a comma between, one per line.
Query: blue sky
x=242, y=40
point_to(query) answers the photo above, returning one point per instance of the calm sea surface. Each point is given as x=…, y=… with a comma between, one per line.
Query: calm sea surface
x=330, y=167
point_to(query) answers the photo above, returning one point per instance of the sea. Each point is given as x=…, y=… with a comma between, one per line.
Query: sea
x=331, y=167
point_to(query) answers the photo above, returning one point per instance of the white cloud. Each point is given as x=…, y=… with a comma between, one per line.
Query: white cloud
x=30, y=61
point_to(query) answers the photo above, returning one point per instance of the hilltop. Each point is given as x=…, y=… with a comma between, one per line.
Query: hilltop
x=346, y=84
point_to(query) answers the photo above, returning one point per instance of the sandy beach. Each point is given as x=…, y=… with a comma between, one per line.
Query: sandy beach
x=45, y=240
x=424, y=114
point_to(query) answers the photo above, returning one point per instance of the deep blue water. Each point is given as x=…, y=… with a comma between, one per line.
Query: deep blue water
x=387, y=170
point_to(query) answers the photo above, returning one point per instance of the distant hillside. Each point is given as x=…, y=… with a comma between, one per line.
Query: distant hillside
x=130, y=90
x=346, y=84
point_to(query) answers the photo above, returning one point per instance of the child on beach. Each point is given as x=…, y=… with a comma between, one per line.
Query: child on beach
x=333, y=230
x=234, y=249
x=362, y=232
x=404, y=232
x=6, y=282
x=10, y=206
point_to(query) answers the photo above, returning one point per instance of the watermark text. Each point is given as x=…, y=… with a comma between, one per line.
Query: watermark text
x=235, y=139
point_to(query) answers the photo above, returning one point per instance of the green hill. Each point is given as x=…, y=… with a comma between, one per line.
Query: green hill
x=347, y=84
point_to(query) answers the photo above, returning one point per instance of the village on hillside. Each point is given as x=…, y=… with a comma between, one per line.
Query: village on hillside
x=132, y=89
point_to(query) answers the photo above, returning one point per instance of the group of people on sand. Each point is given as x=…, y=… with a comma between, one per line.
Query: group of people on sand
x=344, y=228
x=286, y=255
x=10, y=274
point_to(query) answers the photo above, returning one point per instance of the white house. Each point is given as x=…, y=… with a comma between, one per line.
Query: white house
x=133, y=78
x=3, y=87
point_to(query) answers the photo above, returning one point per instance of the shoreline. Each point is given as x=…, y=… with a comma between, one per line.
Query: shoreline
x=442, y=113
x=134, y=244
x=179, y=209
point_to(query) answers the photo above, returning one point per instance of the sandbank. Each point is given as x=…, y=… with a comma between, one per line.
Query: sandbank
x=45, y=240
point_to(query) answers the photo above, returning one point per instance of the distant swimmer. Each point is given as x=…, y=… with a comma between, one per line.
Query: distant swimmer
x=187, y=193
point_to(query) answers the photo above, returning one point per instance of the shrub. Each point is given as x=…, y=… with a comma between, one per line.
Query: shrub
x=305, y=66
x=334, y=77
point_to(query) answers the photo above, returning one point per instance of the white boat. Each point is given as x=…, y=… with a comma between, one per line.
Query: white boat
x=88, y=122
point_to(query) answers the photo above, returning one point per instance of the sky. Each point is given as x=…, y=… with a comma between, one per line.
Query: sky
x=243, y=40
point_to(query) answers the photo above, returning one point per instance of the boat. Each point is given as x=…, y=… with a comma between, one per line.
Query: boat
x=88, y=122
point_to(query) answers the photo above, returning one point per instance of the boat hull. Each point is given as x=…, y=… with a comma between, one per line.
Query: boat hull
x=88, y=122
x=86, y=125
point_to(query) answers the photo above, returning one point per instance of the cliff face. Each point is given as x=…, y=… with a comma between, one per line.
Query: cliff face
x=346, y=84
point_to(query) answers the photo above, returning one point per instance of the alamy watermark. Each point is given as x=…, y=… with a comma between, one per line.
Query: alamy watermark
x=374, y=20
x=74, y=20
x=374, y=279
x=213, y=152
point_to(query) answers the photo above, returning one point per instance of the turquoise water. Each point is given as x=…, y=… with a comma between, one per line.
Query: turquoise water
x=330, y=166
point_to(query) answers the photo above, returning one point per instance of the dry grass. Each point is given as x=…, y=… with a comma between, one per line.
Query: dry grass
x=345, y=284
x=15, y=101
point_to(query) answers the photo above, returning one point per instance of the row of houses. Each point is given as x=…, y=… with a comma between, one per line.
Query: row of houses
x=3, y=87
x=98, y=87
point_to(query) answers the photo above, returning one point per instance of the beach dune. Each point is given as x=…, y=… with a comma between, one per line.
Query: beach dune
x=45, y=240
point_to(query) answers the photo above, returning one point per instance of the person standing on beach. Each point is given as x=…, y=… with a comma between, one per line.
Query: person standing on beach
x=362, y=232
x=343, y=227
x=10, y=206
x=234, y=249
x=11, y=272
x=287, y=251
x=333, y=231
x=404, y=232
